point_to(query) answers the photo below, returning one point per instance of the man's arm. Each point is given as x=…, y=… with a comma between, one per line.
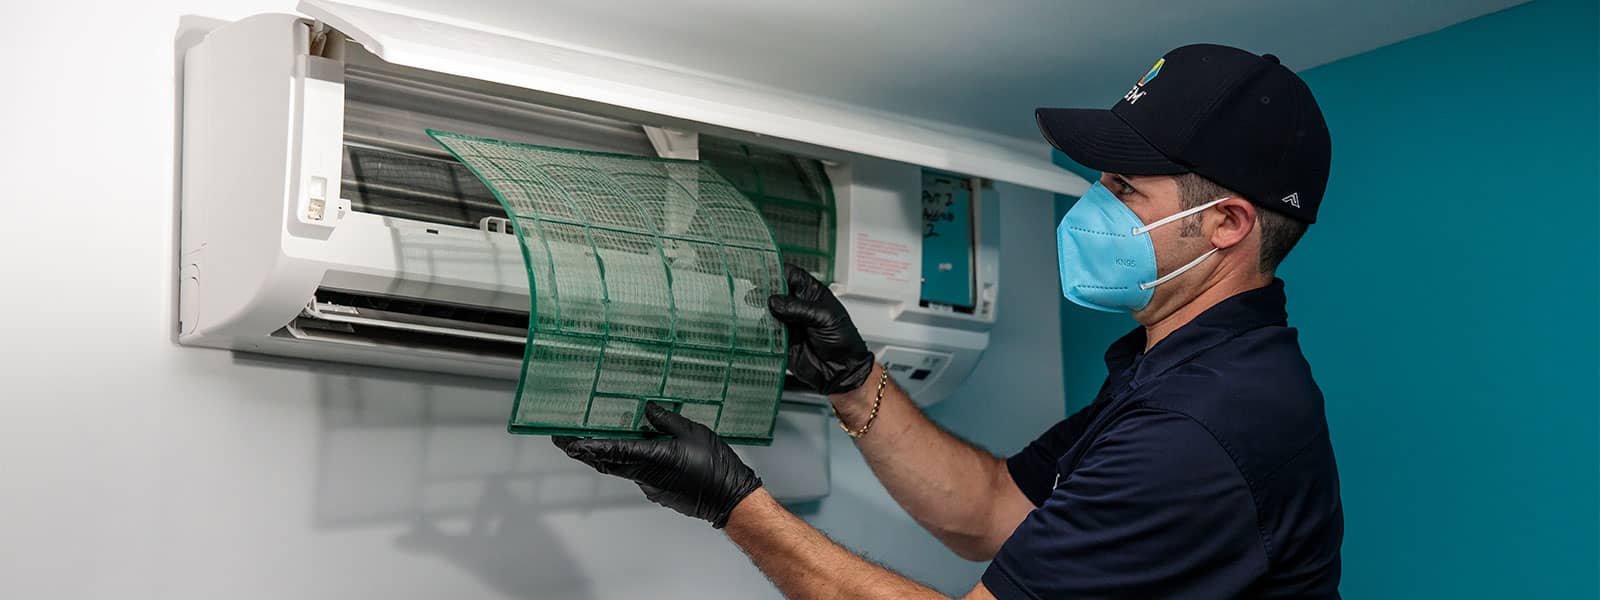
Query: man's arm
x=961, y=494
x=805, y=564
x=695, y=473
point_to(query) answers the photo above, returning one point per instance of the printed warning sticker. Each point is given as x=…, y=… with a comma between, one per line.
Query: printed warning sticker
x=889, y=260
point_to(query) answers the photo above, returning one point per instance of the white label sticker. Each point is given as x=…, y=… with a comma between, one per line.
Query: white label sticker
x=882, y=258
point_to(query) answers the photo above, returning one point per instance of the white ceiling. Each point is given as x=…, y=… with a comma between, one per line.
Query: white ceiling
x=981, y=64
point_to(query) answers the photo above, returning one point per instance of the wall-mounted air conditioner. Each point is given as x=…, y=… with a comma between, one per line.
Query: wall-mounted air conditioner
x=320, y=222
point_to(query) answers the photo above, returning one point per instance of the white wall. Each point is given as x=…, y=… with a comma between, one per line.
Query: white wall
x=134, y=468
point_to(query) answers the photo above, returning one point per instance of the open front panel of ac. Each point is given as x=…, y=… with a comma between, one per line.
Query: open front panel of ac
x=370, y=244
x=425, y=259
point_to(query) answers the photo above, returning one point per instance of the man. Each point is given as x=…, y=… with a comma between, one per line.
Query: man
x=1202, y=469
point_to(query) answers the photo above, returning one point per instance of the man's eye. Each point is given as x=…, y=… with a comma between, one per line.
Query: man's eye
x=1124, y=188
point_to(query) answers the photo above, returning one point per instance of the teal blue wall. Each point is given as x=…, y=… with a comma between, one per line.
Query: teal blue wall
x=1448, y=297
x=1449, y=303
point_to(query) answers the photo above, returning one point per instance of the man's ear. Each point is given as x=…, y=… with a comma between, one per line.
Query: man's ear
x=1237, y=221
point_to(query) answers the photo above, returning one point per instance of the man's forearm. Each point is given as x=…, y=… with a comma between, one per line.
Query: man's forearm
x=962, y=494
x=805, y=564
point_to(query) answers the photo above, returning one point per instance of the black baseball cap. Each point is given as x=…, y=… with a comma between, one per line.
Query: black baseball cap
x=1239, y=119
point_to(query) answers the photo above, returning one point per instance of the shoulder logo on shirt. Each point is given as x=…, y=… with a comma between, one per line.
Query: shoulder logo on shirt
x=1292, y=200
x=1138, y=92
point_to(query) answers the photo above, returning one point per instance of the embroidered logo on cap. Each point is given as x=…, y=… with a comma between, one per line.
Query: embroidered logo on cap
x=1154, y=70
x=1292, y=199
x=1138, y=92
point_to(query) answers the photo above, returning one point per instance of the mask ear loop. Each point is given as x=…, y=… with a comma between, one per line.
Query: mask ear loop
x=1178, y=215
x=1180, y=270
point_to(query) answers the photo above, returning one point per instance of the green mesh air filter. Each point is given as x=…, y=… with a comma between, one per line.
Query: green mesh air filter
x=792, y=193
x=649, y=281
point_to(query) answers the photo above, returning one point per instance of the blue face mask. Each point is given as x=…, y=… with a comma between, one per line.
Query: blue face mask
x=1107, y=259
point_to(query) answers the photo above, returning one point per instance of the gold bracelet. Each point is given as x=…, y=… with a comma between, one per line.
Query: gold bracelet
x=870, y=416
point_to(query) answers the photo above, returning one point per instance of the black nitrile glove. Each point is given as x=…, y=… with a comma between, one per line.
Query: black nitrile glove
x=694, y=472
x=825, y=350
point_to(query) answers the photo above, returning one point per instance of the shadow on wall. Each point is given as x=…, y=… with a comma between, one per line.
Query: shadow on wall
x=393, y=450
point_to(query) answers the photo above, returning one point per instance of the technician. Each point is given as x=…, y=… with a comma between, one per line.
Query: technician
x=1202, y=469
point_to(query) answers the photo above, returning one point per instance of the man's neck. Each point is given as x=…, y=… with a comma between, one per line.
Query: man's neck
x=1207, y=298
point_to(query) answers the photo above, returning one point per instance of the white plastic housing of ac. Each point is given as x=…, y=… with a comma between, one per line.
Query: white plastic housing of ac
x=263, y=227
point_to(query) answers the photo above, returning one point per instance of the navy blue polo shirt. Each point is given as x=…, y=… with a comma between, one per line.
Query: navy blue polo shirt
x=1202, y=470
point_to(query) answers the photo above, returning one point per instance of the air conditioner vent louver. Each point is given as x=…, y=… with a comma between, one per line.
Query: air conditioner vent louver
x=425, y=309
x=441, y=317
x=367, y=319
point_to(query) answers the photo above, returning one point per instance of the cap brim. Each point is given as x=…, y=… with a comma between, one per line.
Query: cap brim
x=1101, y=140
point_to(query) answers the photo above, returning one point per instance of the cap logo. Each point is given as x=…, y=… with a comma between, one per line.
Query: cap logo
x=1155, y=70
x=1138, y=92
x=1292, y=200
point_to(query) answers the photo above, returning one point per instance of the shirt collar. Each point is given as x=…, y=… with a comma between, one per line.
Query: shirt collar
x=1242, y=312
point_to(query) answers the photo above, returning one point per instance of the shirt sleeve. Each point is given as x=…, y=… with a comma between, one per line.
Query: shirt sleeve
x=1034, y=467
x=1156, y=509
